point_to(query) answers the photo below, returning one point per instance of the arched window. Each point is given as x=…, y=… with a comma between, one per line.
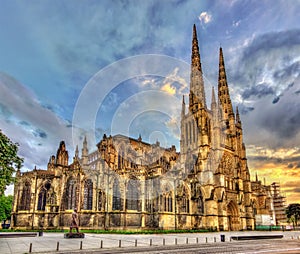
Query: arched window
x=132, y=196
x=42, y=200
x=168, y=202
x=183, y=199
x=43, y=196
x=184, y=204
x=117, y=200
x=71, y=194
x=26, y=197
x=88, y=195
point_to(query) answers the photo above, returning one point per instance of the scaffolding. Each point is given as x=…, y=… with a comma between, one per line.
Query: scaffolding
x=278, y=204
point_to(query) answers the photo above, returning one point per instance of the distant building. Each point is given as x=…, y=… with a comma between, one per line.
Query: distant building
x=127, y=183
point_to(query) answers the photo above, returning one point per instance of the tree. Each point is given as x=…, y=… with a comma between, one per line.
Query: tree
x=5, y=207
x=293, y=213
x=9, y=161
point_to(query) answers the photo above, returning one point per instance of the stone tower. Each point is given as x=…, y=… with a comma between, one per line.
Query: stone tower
x=212, y=150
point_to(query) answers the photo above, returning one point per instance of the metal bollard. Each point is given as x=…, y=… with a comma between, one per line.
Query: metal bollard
x=135, y=244
x=215, y=239
x=187, y=241
x=197, y=240
x=57, y=246
x=80, y=245
x=175, y=241
x=120, y=244
x=30, y=247
x=206, y=240
x=164, y=241
x=150, y=242
x=101, y=244
x=222, y=238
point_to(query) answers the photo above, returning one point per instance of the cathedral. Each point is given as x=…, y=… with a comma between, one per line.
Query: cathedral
x=129, y=184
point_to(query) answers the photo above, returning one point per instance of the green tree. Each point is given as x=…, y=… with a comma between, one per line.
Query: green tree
x=5, y=207
x=9, y=161
x=293, y=213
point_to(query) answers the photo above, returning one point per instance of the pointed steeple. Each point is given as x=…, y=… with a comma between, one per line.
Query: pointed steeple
x=213, y=98
x=223, y=90
x=197, y=92
x=196, y=62
x=77, y=152
x=238, y=119
x=85, y=150
x=183, y=107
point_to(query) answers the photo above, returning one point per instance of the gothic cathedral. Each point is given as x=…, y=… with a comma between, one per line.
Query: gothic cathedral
x=130, y=184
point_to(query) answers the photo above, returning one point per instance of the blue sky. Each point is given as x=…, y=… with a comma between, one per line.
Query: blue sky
x=51, y=51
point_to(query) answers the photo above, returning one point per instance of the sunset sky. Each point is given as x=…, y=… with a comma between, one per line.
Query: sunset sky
x=51, y=52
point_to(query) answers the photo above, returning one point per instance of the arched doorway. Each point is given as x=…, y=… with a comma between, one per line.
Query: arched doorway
x=233, y=218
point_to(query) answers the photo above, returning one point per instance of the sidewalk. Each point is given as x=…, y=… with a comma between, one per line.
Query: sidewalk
x=49, y=241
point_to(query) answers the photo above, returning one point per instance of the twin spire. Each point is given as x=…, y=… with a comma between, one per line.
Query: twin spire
x=197, y=91
x=223, y=90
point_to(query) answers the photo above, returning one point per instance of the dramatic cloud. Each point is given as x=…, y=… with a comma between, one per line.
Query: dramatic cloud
x=37, y=129
x=258, y=91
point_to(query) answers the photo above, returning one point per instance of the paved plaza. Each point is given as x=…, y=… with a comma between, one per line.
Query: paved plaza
x=109, y=243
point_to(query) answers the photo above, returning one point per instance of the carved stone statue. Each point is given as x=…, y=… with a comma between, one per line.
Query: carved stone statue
x=74, y=222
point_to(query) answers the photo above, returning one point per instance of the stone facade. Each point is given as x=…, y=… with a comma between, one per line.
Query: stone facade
x=128, y=184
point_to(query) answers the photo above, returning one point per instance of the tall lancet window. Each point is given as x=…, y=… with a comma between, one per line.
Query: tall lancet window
x=132, y=195
x=88, y=195
x=26, y=197
x=71, y=194
x=185, y=204
x=43, y=197
x=117, y=200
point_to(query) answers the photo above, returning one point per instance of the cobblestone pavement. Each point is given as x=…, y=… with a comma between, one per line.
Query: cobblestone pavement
x=156, y=243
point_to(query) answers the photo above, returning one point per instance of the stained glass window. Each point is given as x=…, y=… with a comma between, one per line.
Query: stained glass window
x=117, y=200
x=132, y=195
x=71, y=194
x=88, y=195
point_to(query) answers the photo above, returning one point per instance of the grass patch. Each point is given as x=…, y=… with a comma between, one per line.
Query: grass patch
x=115, y=231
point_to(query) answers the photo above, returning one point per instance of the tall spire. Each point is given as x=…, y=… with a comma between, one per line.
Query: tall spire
x=197, y=93
x=238, y=119
x=223, y=90
x=196, y=62
x=183, y=107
